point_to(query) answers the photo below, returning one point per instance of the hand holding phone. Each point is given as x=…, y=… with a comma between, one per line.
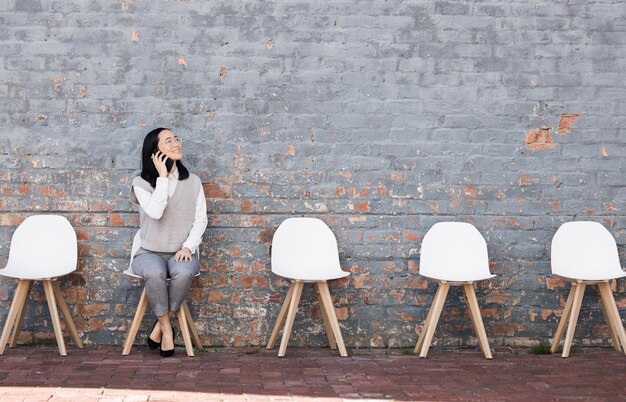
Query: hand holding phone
x=159, y=159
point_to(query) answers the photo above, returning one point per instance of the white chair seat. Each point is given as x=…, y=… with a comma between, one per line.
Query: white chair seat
x=304, y=250
x=43, y=248
x=331, y=277
x=585, y=253
x=453, y=254
x=461, y=279
x=592, y=278
x=20, y=271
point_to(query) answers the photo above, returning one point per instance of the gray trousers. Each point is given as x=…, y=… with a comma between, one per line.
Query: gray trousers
x=155, y=268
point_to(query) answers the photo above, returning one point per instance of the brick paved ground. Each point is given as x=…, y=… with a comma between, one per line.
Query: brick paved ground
x=102, y=374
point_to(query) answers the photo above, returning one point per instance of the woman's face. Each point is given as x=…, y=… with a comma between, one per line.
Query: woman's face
x=170, y=145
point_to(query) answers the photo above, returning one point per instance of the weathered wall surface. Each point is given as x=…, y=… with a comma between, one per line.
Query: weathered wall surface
x=380, y=117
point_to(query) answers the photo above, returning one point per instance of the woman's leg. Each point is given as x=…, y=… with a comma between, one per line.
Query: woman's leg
x=181, y=274
x=153, y=269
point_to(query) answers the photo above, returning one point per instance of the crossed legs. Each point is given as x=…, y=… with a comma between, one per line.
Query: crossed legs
x=163, y=299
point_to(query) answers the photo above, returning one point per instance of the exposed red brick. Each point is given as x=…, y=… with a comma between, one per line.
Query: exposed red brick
x=257, y=282
x=340, y=192
x=246, y=206
x=503, y=329
x=134, y=35
x=291, y=150
x=223, y=71
x=605, y=154
x=265, y=236
x=553, y=283
x=397, y=177
x=24, y=189
x=487, y=313
x=434, y=207
x=117, y=220
x=555, y=206
x=215, y=190
x=93, y=309
x=404, y=316
x=342, y=313
x=410, y=236
x=362, y=207
x=367, y=282
x=526, y=181
x=256, y=220
x=500, y=298
x=538, y=140
x=470, y=193
x=566, y=123
x=415, y=283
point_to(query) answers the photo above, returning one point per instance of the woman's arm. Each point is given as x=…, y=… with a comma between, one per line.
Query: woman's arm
x=153, y=203
x=199, y=224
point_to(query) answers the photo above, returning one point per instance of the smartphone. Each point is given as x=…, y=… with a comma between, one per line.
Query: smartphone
x=168, y=164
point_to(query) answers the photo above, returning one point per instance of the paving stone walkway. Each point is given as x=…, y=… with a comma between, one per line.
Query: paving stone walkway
x=253, y=374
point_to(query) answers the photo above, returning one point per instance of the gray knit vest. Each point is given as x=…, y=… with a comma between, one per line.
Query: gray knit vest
x=170, y=232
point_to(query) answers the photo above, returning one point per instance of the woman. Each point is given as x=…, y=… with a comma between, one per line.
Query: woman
x=172, y=219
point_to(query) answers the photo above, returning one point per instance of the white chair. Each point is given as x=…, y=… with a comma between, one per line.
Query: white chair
x=185, y=321
x=43, y=248
x=304, y=250
x=585, y=253
x=453, y=253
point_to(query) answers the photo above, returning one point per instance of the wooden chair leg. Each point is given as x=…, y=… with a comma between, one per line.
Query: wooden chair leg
x=472, y=318
x=332, y=317
x=564, y=319
x=323, y=309
x=192, y=326
x=437, y=307
x=54, y=314
x=609, y=321
x=20, y=294
x=291, y=314
x=22, y=312
x=571, y=327
x=420, y=340
x=477, y=319
x=611, y=307
x=281, y=317
x=184, y=329
x=67, y=315
x=134, y=326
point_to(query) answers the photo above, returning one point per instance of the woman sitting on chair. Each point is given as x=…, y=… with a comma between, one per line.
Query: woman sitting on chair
x=172, y=219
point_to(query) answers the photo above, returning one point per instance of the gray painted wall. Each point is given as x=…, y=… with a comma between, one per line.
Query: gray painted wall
x=381, y=117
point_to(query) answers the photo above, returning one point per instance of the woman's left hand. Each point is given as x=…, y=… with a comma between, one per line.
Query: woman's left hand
x=183, y=255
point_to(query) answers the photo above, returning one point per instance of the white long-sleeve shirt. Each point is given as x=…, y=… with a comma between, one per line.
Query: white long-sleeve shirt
x=154, y=204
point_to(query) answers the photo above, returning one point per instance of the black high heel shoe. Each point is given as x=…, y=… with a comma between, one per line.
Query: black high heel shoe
x=153, y=344
x=168, y=353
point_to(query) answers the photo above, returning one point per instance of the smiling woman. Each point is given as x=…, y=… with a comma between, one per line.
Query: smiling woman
x=172, y=219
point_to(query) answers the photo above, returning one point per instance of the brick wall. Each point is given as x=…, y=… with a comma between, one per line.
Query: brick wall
x=381, y=118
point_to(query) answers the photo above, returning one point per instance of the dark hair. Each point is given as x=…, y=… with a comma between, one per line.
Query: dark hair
x=150, y=146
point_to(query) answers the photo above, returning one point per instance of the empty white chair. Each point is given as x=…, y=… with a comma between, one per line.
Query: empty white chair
x=184, y=315
x=453, y=253
x=43, y=248
x=304, y=250
x=585, y=253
